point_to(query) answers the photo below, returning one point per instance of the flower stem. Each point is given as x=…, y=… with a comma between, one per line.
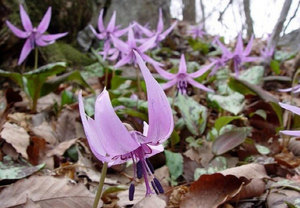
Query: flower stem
x=106, y=77
x=36, y=58
x=101, y=183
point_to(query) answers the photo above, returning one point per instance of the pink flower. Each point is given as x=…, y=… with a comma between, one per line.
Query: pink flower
x=111, y=142
x=295, y=110
x=35, y=36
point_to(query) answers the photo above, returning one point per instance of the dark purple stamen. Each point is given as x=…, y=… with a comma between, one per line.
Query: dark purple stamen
x=131, y=191
x=150, y=166
x=158, y=186
x=139, y=169
x=154, y=187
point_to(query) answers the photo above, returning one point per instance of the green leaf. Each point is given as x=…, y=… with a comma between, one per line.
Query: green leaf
x=253, y=75
x=72, y=153
x=192, y=142
x=17, y=169
x=275, y=66
x=228, y=141
x=216, y=165
x=67, y=98
x=233, y=103
x=262, y=149
x=193, y=114
x=174, y=161
x=175, y=138
x=133, y=113
x=14, y=76
x=284, y=55
x=224, y=120
x=262, y=113
x=54, y=83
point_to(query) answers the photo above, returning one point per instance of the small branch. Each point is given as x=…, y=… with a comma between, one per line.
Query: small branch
x=203, y=13
x=249, y=21
x=222, y=13
x=294, y=15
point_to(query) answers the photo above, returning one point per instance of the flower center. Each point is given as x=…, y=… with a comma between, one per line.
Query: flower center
x=144, y=169
x=182, y=83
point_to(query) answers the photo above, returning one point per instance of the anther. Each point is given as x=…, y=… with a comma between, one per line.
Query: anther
x=158, y=186
x=154, y=187
x=139, y=169
x=131, y=191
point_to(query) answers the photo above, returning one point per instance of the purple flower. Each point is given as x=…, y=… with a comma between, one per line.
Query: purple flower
x=112, y=142
x=35, y=36
x=127, y=49
x=159, y=34
x=106, y=33
x=196, y=31
x=182, y=78
x=295, y=89
x=295, y=110
x=239, y=56
x=266, y=53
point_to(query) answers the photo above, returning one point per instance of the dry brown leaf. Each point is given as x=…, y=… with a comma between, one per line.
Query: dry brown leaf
x=201, y=154
x=254, y=172
x=31, y=204
x=10, y=151
x=17, y=137
x=47, y=192
x=19, y=118
x=287, y=159
x=151, y=201
x=65, y=127
x=210, y=191
x=61, y=148
x=277, y=197
x=47, y=102
x=139, y=194
x=45, y=131
x=177, y=196
x=36, y=147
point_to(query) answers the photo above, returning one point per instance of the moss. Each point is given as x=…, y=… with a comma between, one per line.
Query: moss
x=64, y=52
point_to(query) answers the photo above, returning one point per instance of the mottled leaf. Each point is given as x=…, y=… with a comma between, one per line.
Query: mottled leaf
x=174, y=161
x=224, y=120
x=17, y=169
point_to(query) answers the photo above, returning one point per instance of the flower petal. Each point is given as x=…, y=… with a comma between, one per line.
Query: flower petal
x=166, y=33
x=150, y=43
x=19, y=33
x=25, y=20
x=150, y=60
x=202, y=70
x=100, y=22
x=111, y=25
x=146, y=31
x=198, y=85
x=25, y=50
x=41, y=42
x=182, y=65
x=98, y=35
x=89, y=127
x=160, y=115
x=125, y=60
x=291, y=133
x=169, y=84
x=239, y=45
x=131, y=40
x=164, y=73
x=160, y=24
x=119, y=44
x=53, y=37
x=44, y=24
x=115, y=138
x=291, y=108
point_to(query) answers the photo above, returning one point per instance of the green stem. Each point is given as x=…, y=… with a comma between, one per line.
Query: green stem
x=36, y=58
x=106, y=77
x=101, y=183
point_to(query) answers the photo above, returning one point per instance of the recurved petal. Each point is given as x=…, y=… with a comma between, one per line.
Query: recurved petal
x=112, y=22
x=119, y=44
x=164, y=34
x=90, y=127
x=27, y=47
x=291, y=133
x=239, y=45
x=131, y=40
x=41, y=42
x=44, y=24
x=182, y=65
x=198, y=85
x=150, y=43
x=159, y=110
x=169, y=84
x=53, y=37
x=100, y=22
x=25, y=19
x=125, y=60
x=202, y=70
x=98, y=35
x=160, y=24
x=19, y=33
x=292, y=108
x=115, y=138
x=249, y=47
x=164, y=73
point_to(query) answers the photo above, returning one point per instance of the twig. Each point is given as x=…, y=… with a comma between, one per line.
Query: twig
x=294, y=15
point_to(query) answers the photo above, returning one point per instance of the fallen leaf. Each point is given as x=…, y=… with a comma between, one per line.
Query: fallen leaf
x=19, y=118
x=47, y=102
x=202, y=154
x=61, y=148
x=151, y=201
x=31, y=204
x=45, y=131
x=17, y=137
x=36, y=147
x=139, y=194
x=47, y=192
x=10, y=151
x=294, y=146
x=287, y=159
x=277, y=197
x=210, y=191
x=65, y=127
x=177, y=196
x=17, y=169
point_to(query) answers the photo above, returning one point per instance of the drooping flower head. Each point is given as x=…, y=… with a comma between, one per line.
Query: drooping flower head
x=112, y=142
x=295, y=110
x=196, y=31
x=182, y=78
x=127, y=49
x=295, y=89
x=159, y=34
x=106, y=33
x=35, y=35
